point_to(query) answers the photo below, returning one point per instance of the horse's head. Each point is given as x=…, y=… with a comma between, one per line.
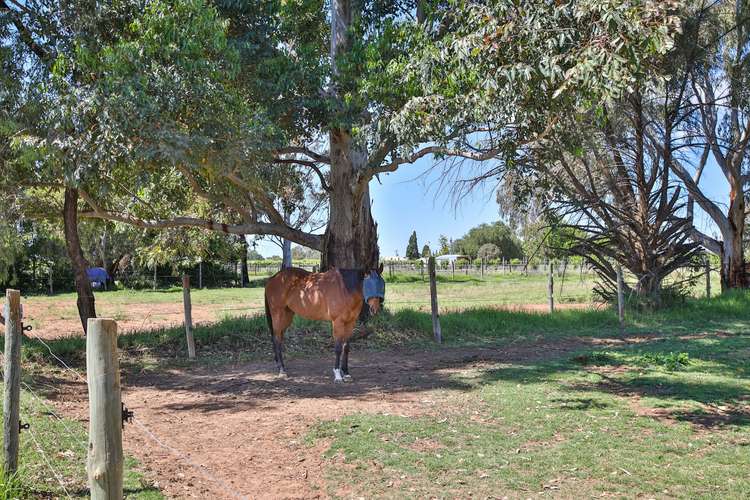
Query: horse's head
x=374, y=289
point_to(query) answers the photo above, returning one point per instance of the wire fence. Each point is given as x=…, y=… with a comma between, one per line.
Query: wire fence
x=43, y=447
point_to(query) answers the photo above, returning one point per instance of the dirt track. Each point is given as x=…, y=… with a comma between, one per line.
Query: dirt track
x=239, y=430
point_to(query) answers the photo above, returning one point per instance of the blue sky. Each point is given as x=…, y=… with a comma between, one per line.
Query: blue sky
x=412, y=199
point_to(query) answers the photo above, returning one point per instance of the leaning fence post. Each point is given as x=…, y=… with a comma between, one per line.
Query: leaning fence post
x=188, y=315
x=551, y=289
x=708, y=278
x=620, y=300
x=105, y=460
x=438, y=333
x=12, y=378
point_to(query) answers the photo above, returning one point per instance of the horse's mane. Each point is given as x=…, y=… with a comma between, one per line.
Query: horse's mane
x=352, y=279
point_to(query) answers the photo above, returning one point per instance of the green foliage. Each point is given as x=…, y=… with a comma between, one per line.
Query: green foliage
x=445, y=245
x=412, y=248
x=516, y=70
x=671, y=361
x=497, y=234
x=488, y=251
x=426, y=252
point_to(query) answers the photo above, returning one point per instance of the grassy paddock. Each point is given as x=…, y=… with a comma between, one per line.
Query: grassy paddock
x=52, y=458
x=136, y=309
x=247, y=337
x=667, y=416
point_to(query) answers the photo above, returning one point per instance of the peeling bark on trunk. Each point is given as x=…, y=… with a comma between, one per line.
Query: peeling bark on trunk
x=351, y=238
x=85, y=302
x=350, y=241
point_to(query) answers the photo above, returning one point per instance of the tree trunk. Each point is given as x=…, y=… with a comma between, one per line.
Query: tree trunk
x=286, y=246
x=350, y=241
x=286, y=254
x=86, y=305
x=243, y=262
x=732, y=258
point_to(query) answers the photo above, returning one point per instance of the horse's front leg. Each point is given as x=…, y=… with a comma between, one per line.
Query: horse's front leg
x=342, y=333
x=337, y=375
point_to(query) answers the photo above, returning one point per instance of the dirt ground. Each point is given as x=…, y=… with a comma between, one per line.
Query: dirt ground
x=238, y=431
x=48, y=323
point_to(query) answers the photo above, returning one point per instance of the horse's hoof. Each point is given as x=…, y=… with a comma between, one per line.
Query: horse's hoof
x=338, y=380
x=348, y=378
x=282, y=375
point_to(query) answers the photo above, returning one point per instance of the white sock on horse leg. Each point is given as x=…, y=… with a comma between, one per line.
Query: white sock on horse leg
x=337, y=375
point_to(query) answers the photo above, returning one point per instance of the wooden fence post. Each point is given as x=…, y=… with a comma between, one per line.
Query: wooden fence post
x=51, y=283
x=188, y=315
x=551, y=288
x=155, y=276
x=105, y=460
x=437, y=332
x=620, y=299
x=12, y=378
x=453, y=269
x=708, y=278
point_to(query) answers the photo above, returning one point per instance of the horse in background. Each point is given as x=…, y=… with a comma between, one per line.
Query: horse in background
x=336, y=295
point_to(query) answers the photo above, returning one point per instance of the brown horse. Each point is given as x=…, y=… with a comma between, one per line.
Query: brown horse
x=336, y=295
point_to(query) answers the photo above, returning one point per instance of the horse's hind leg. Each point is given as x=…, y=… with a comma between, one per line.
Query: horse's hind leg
x=281, y=322
x=345, y=363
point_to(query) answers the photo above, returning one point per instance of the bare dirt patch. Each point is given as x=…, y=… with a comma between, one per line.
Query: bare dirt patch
x=60, y=319
x=240, y=429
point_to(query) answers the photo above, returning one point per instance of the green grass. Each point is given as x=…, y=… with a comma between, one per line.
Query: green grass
x=664, y=416
x=246, y=337
x=52, y=458
x=559, y=428
x=404, y=291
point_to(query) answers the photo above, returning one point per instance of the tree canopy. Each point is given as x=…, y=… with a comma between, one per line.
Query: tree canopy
x=497, y=234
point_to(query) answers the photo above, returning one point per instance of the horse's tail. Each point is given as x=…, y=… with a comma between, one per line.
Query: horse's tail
x=268, y=315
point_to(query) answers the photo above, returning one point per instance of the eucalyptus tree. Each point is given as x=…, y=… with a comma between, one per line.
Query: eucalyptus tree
x=528, y=85
x=707, y=119
x=162, y=106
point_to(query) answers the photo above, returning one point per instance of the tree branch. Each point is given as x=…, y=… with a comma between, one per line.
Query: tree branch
x=303, y=151
x=260, y=228
x=26, y=36
x=309, y=164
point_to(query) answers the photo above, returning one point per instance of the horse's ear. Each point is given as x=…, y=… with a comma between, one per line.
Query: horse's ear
x=380, y=269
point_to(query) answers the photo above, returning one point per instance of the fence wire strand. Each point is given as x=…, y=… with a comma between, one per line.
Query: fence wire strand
x=183, y=457
x=53, y=413
x=54, y=472
x=58, y=358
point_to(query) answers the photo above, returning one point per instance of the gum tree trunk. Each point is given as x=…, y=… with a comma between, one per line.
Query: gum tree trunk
x=732, y=261
x=350, y=241
x=85, y=302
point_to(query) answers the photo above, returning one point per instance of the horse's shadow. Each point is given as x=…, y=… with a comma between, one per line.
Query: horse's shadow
x=394, y=376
